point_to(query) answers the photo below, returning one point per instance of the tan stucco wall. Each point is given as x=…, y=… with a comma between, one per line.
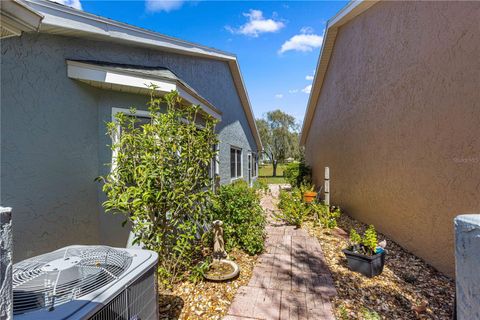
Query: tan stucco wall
x=398, y=122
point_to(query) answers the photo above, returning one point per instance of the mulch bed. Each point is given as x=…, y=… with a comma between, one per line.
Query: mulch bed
x=205, y=300
x=408, y=288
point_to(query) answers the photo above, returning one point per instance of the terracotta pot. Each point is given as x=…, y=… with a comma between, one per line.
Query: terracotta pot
x=309, y=196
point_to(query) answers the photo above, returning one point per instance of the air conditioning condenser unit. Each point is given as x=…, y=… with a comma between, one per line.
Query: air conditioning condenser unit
x=86, y=282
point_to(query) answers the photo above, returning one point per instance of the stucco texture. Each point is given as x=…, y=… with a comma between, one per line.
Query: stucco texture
x=53, y=141
x=398, y=119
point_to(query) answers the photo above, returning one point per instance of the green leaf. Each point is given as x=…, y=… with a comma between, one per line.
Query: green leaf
x=161, y=168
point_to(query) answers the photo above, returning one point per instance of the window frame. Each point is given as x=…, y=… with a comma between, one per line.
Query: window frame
x=115, y=110
x=236, y=163
x=254, y=164
x=215, y=163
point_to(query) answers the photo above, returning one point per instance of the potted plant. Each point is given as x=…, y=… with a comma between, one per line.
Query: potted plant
x=309, y=194
x=363, y=254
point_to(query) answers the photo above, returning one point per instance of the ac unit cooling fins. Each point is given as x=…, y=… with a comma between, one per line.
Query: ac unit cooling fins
x=86, y=282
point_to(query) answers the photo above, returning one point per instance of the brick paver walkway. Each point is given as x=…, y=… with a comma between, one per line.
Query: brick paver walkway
x=291, y=279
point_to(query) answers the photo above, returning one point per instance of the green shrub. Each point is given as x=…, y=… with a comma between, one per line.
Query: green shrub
x=327, y=216
x=160, y=180
x=238, y=206
x=355, y=238
x=370, y=239
x=368, y=314
x=306, y=187
x=293, y=210
x=197, y=272
x=366, y=244
x=261, y=185
x=297, y=173
x=343, y=312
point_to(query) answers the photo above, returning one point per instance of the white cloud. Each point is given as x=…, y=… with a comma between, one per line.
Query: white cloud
x=306, y=30
x=163, y=5
x=307, y=89
x=310, y=77
x=278, y=96
x=256, y=24
x=293, y=91
x=71, y=3
x=305, y=41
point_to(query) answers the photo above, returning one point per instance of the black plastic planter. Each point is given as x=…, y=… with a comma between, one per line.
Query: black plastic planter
x=369, y=266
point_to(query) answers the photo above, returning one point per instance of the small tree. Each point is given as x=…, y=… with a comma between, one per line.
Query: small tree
x=279, y=136
x=160, y=179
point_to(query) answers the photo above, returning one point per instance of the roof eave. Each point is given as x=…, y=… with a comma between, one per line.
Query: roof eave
x=88, y=25
x=349, y=12
x=16, y=17
x=82, y=23
x=111, y=78
x=242, y=92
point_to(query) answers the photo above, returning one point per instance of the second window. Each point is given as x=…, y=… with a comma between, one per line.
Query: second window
x=235, y=162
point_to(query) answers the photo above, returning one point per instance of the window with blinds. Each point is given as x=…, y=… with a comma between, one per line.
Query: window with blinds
x=235, y=163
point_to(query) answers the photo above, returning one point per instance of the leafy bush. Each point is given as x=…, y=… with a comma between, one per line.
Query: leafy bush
x=368, y=314
x=369, y=240
x=293, y=210
x=160, y=180
x=366, y=244
x=355, y=238
x=326, y=215
x=261, y=185
x=306, y=187
x=197, y=272
x=238, y=206
x=297, y=173
x=343, y=312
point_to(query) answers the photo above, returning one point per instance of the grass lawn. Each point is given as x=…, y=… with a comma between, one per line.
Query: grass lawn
x=265, y=173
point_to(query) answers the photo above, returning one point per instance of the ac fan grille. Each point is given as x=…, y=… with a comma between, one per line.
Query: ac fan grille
x=137, y=301
x=37, y=285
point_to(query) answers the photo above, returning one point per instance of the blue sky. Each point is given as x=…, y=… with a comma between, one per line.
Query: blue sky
x=277, y=42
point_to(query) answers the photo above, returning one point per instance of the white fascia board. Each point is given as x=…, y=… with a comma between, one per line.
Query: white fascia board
x=16, y=17
x=86, y=72
x=100, y=75
x=134, y=81
x=349, y=12
x=243, y=94
x=65, y=20
x=8, y=30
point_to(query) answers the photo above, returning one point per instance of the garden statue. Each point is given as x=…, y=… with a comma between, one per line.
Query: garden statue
x=221, y=268
x=218, y=243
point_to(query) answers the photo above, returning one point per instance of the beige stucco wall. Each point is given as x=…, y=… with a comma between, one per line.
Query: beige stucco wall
x=398, y=122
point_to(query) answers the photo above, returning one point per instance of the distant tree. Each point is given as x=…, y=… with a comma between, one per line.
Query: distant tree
x=297, y=150
x=279, y=134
